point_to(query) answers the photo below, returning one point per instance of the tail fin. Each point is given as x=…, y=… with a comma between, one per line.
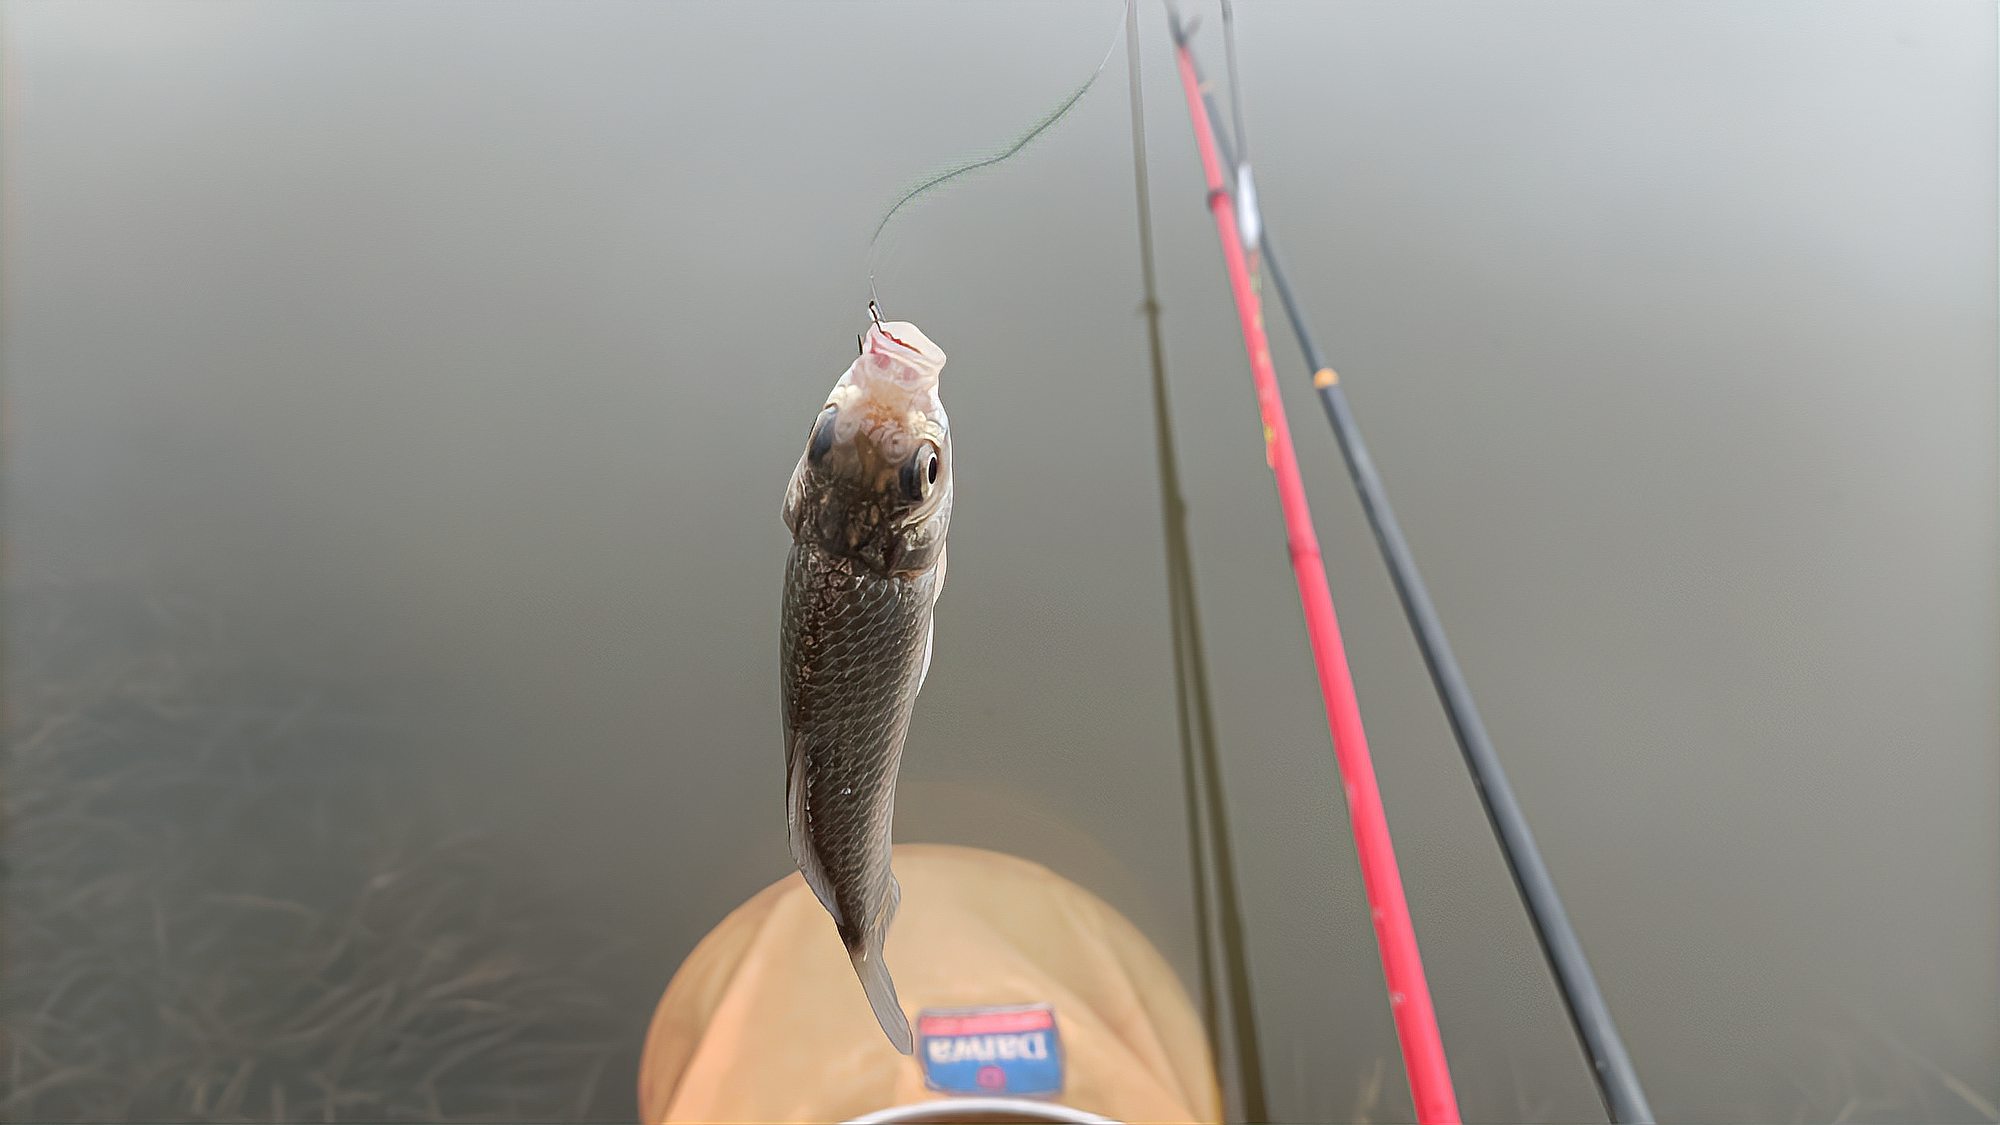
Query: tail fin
x=874, y=974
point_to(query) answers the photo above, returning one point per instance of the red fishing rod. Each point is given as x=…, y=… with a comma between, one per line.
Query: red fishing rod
x=1395, y=935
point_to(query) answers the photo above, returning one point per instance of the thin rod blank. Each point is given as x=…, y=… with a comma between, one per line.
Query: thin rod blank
x=1201, y=773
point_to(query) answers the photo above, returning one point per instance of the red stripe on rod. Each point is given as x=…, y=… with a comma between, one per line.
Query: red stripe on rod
x=1402, y=966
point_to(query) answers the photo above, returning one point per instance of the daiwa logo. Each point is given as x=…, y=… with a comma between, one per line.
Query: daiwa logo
x=991, y=1051
x=988, y=1048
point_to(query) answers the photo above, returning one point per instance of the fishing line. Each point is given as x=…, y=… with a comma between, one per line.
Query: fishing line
x=1235, y=86
x=1249, y=218
x=1042, y=125
x=1201, y=775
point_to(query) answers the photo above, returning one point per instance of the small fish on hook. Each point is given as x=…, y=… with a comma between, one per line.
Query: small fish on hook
x=868, y=506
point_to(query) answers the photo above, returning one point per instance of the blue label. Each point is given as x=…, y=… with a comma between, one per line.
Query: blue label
x=991, y=1051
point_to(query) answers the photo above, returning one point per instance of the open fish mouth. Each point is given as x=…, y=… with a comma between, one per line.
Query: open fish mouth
x=900, y=351
x=882, y=341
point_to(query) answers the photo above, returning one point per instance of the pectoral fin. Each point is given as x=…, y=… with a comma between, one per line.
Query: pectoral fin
x=798, y=824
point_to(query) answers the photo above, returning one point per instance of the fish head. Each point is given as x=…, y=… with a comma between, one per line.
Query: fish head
x=874, y=483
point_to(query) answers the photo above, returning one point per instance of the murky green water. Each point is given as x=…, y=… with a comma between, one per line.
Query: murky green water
x=399, y=399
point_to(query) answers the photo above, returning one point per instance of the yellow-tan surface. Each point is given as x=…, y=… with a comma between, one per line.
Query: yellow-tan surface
x=765, y=1021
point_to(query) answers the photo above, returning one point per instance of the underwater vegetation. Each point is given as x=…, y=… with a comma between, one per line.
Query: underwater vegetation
x=225, y=901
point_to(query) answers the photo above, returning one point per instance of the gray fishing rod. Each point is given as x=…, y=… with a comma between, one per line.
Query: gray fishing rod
x=1218, y=914
x=1611, y=1066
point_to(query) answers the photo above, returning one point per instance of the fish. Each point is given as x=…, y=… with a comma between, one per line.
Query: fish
x=868, y=507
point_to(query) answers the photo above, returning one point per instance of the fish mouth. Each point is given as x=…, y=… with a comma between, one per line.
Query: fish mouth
x=899, y=350
x=882, y=340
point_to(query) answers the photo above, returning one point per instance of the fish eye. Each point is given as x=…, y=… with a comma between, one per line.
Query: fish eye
x=921, y=472
x=820, y=438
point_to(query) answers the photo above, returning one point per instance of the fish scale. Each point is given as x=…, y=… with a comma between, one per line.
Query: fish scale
x=851, y=713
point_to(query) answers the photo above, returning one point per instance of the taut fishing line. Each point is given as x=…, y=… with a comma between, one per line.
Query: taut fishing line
x=1235, y=84
x=937, y=180
x=1249, y=219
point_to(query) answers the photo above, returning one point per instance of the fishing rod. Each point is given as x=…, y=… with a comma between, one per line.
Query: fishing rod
x=1395, y=935
x=1611, y=1066
x=1201, y=773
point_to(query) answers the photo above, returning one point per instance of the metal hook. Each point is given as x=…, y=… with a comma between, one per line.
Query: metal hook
x=875, y=314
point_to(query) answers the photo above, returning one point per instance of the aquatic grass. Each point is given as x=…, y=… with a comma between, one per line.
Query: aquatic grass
x=1862, y=1071
x=227, y=900
x=1854, y=1073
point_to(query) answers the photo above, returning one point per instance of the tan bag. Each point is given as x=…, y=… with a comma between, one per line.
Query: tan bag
x=765, y=1021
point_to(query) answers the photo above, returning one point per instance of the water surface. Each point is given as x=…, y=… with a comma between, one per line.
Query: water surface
x=400, y=398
